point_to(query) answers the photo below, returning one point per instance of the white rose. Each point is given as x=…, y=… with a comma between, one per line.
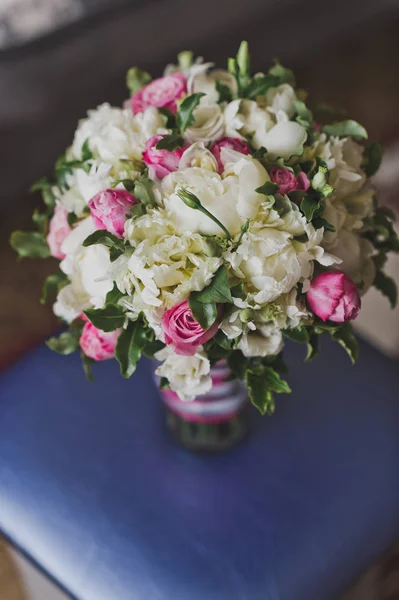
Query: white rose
x=188, y=376
x=281, y=98
x=284, y=140
x=267, y=340
x=71, y=301
x=208, y=125
x=245, y=119
x=197, y=155
x=202, y=78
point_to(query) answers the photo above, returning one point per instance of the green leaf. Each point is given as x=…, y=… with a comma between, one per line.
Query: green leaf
x=283, y=74
x=304, y=115
x=237, y=363
x=320, y=222
x=205, y=313
x=136, y=79
x=109, y=318
x=218, y=291
x=170, y=142
x=30, y=244
x=260, y=85
x=298, y=334
x=45, y=187
x=387, y=286
x=87, y=154
x=72, y=219
x=129, y=346
x=151, y=348
x=170, y=117
x=114, y=295
x=268, y=188
x=344, y=336
x=41, y=221
x=143, y=191
x=137, y=210
x=164, y=383
x=87, y=364
x=225, y=93
x=66, y=343
x=52, y=285
x=262, y=382
x=309, y=206
x=105, y=238
x=185, y=116
x=346, y=129
x=373, y=158
x=259, y=153
x=313, y=347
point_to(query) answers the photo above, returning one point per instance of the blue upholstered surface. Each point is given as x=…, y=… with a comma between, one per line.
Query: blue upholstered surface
x=92, y=489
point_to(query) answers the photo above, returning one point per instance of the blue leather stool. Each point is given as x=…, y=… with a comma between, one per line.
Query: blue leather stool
x=92, y=490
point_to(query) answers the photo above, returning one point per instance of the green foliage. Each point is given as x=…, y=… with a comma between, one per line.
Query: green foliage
x=137, y=210
x=109, y=318
x=381, y=231
x=87, y=364
x=262, y=382
x=346, y=129
x=66, y=343
x=52, y=285
x=268, y=188
x=205, y=313
x=304, y=115
x=131, y=344
x=185, y=59
x=312, y=346
x=185, y=116
x=136, y=79
x=282, y=74
x=345, y=337
x=373, y=158
x=143, y=191
x=218, y=291
x=87, y=154
x=170, y=142
x=45, y=187
x=387, y=286
x=105, y=238
x=114, y=295
x=31, y=244
x=260, y=85
x=298, y=334
x=225, y=93
x=170, y=117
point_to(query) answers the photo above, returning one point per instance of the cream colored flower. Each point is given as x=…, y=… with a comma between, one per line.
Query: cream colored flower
x=208, y=125
x=188, y=376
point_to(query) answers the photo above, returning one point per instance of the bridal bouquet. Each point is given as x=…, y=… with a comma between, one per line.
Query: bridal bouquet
x=210, y=218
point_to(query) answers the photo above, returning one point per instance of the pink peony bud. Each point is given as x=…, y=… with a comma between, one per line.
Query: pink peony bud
x=287, y=181
x=110, y=208
x=227, y=142
x=97, y=344
x=183, y=332
x=334, y=296
x=162, y=92
x=161, y=162
x=58, y=231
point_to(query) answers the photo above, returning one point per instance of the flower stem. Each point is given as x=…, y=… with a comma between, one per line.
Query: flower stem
x=192, y=201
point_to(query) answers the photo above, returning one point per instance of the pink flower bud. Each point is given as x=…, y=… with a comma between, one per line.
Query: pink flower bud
x=287, y=181
x=227, y=142
x=183, y=332
x=58, y=231
x=97, y=344
x=334, y=296
x=162, y=92
x=110, y=208
x=161, y=162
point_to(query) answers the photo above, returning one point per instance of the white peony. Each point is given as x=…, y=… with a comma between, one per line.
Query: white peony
x=165, y=267
x=197, y=155
x=344, y=158
x=115, y=133
x=284, y=140
x=231, y=199
x=71, y=300
x=188, y=376
x=208, y=125
x=281, y=98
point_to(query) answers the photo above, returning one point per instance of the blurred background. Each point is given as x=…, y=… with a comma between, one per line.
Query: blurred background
x=60, y=57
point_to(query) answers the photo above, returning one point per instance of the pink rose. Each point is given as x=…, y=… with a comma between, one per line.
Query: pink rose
x=161, y=162
x=97, y=344
x=162, y=92
x=227, y=142
x=334, y=296
x=58, y=231
x=183, y=332
x=287, y=181
x=110, y=208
